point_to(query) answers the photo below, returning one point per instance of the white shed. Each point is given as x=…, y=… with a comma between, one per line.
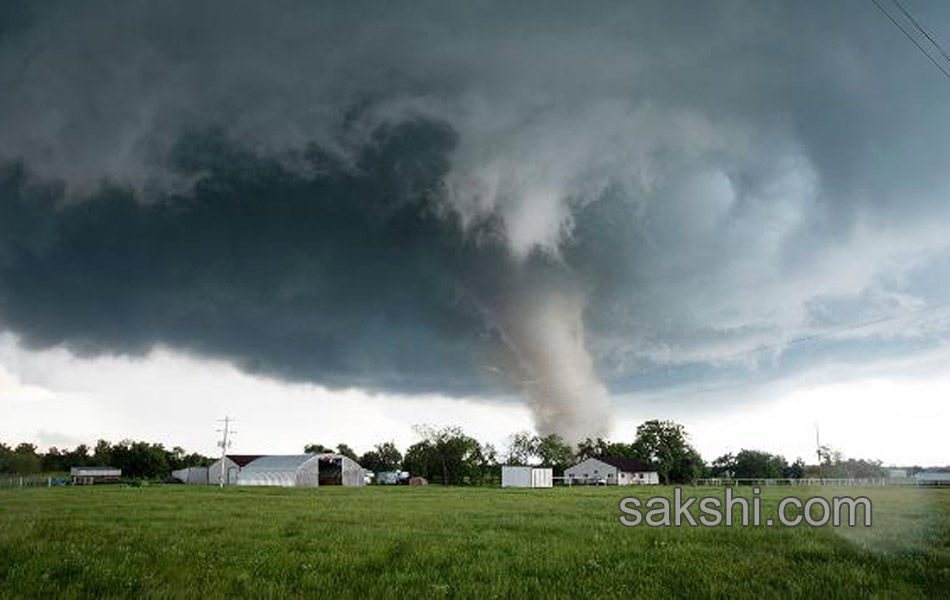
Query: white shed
x=515, y=476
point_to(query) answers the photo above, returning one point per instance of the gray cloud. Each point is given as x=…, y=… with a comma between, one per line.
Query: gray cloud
x=370, y=196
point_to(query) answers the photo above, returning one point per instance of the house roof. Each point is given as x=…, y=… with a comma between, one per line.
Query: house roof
x=627, y=465
x=242, y=459
x=96, y=468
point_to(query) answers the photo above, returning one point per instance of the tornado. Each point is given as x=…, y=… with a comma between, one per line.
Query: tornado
x=544, y=330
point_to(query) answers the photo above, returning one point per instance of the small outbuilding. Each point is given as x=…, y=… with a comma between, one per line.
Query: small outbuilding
x=534, y=477
x=93, y=475
x=611, y=470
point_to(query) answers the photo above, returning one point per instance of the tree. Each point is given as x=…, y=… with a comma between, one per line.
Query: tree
x=689, y=467
x=522, y=448
x=141, y=459
x=346, y=451
x=136, y=459
x=756, y=464
x=724, y=466
x=665, y=444
x=317, y=449
x=78, y=457
x=834, y=465
x=447, y=454
x=554, y=452
x=796, y=470
x=22, y=460
x=102, y=453
x=383, y=457
x=590, y=448
x=53, y=461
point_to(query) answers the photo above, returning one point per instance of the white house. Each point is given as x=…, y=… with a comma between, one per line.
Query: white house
x=612, y=470
x=935, y=476
x=514, y=476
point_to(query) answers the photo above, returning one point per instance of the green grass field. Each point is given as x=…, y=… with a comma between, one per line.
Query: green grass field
x=434, y=542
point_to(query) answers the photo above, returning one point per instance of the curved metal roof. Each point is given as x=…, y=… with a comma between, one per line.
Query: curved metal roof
x=279, y=463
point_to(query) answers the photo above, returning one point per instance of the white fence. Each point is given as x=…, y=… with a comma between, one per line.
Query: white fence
x=819, y=481
x=10, y=481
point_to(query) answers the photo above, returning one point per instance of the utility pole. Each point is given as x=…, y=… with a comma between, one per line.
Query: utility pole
x=818, y=449
x=225, y=443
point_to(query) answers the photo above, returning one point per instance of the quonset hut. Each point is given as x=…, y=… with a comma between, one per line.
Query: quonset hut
x=301, y=470
x=232, y=465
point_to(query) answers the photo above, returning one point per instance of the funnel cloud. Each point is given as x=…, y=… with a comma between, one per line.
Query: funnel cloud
x=545, y=331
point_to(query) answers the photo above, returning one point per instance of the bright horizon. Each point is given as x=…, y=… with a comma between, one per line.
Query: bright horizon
x=180, y=398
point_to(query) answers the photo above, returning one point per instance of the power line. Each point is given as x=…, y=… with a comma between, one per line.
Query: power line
x=913, y=39
x=926, y=33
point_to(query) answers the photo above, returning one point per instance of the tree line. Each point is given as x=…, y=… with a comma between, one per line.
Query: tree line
x=450, y=456
x=138, y=460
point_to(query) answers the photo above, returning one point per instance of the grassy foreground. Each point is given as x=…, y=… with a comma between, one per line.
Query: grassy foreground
x=177, y=541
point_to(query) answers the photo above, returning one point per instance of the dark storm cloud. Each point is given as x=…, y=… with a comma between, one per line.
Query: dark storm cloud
x=345, y=277
x=407, y=199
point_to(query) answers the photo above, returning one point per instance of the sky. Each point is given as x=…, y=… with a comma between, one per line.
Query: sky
x=335, y=222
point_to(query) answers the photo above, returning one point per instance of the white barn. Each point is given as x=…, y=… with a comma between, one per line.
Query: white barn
x=612, y=471
x=308, y=470
x=535, y=477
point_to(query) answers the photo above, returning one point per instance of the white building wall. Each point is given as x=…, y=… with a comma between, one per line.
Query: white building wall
x=591, y=470
x=513, y=476
x=308, y=474
x=192, y=475
x=934, y=477
x=542, y=477
x=353, y=473
x=231, y=473
x=517, y=476
x=283, y=471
